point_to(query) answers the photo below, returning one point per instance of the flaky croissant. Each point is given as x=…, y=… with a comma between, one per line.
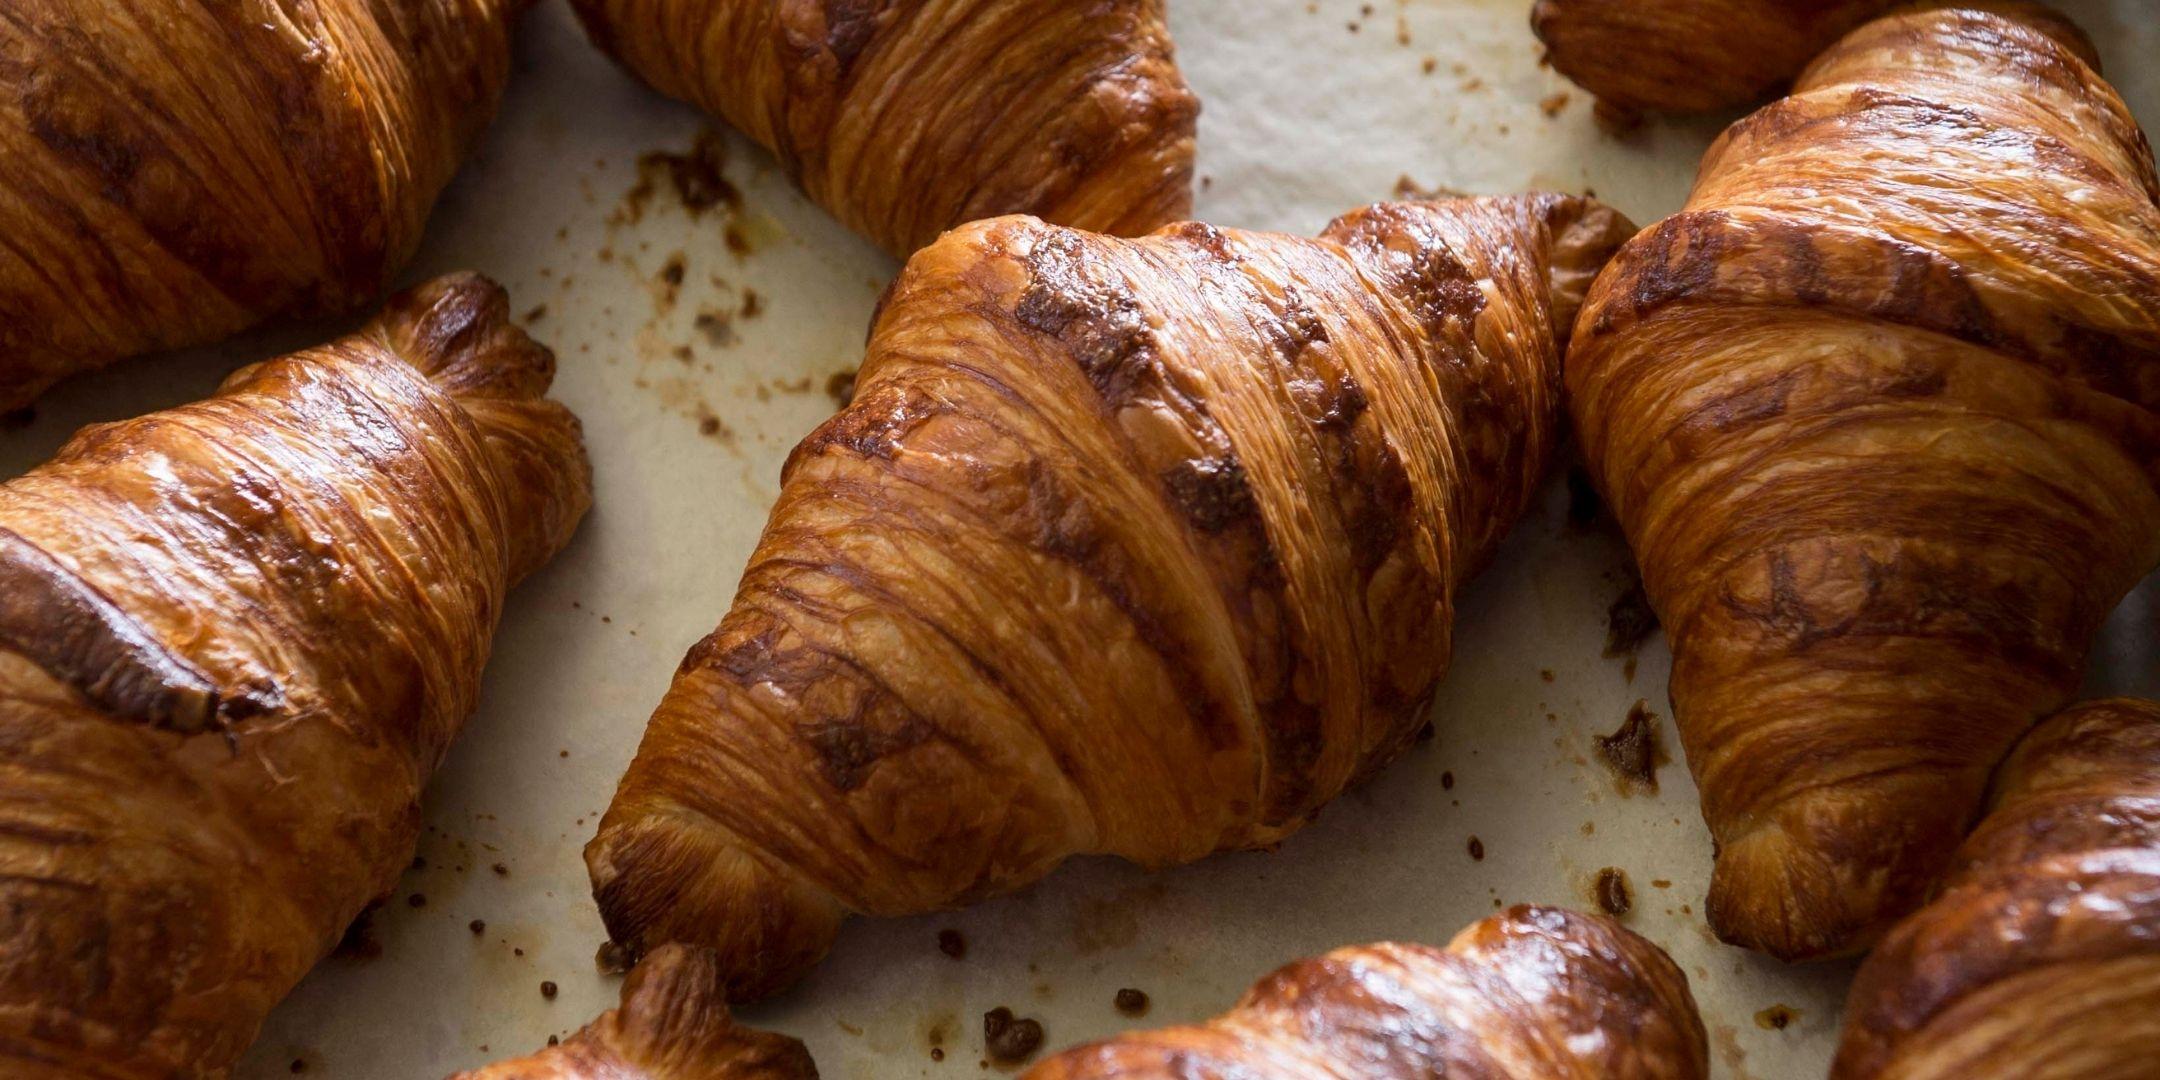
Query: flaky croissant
x=673, y=1025
x=178, y=171
x=1704, y=55
x=1145, y=548
x=1530, y=994
x=909, y=117
x=235, y=640
x=1877, y=414
x=2042, y=958
x=1691, y=55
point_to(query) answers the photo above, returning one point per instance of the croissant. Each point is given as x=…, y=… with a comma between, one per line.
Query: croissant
x=1243, y=472
x=235, y=639
x=2042, y=957
x=905, y=118
x=1706, y=55
x=1691, y=55
x=179, y=171
x=1533, y=993
x=1876, y=412
x=673, y=1025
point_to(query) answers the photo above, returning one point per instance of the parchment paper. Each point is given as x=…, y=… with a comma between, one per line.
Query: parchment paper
x=691, y=401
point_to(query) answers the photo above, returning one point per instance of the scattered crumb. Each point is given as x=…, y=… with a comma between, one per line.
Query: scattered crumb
x=1633, y=753
x=418, y=900
x=539, y=312
x=951, y=943
x=500, y=870
x=1477, y=849
x=1010, y=1039
x=548, y=989
x=1447, y=780
x=718, y=327
x=1131, y=1002
x=1612, y=892
x=1546, y=674
x=1776, y=1017
x=698, y=179
x=477, y=926
x=753, y=304
x=1554, y=104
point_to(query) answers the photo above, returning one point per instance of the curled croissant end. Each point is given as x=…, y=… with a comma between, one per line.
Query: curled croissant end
x=236, y=638
x=673, y=1025
x=152, y=201
x=1139, y=547
x=1877, y=414
x=908, y=119
x=1688, y=56
x=2041, y=957
x=1530, y=992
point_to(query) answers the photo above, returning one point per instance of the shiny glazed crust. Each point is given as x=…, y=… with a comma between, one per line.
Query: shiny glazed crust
x=172, y=172
x=1531, y=994
x=1136, y=547
x=673, y=1025
x=1877, y=413
x=236, y=639
x=909, y=117
x=2042, y=957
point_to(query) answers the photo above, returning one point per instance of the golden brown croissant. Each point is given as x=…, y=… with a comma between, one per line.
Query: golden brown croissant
x=1144, y=548
x=235, y=640
x=907, y=117
x=178, y=171
x=1530, y=994
x=2042, y=958
x=673, y=1025
x=1877, y=414
x=1691, y=55
x=1703, y=55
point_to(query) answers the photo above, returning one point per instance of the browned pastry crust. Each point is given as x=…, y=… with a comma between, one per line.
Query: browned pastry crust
x=907, y=117
x=1877, y=413
x=2041, y=960
x=1146, y=548
x=1703, y=55
x=1531, y=994
x=235, y=640
x=1690, y=55
x=172, y=171
x=673, y=1025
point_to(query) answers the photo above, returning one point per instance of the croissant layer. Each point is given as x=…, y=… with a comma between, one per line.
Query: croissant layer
x=909, y=117
x=1243, y=472
x=173, y=172
x=2041, y=958
x=1532, y=993
x=235, y=639
x=673, y=1025
x=1877, y=414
